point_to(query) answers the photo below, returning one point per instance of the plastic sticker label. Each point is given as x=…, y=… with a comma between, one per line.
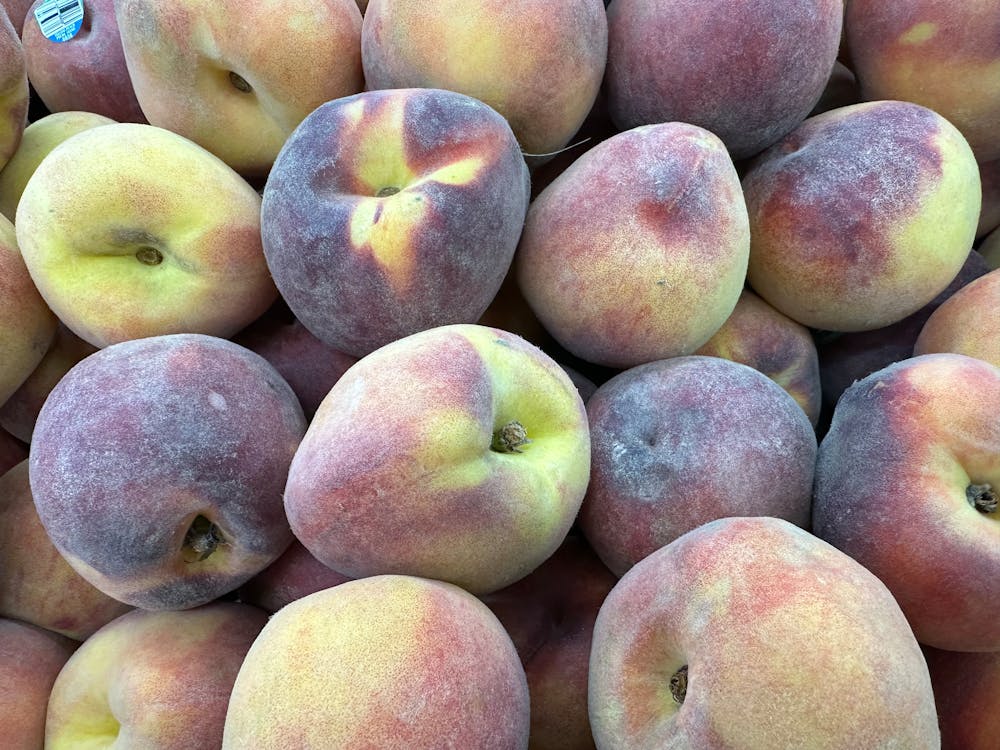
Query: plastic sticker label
x=59, y=20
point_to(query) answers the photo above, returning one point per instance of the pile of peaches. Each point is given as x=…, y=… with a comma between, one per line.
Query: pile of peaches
x=499, y=374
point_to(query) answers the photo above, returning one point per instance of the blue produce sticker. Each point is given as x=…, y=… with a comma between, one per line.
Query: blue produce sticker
x=59, y=20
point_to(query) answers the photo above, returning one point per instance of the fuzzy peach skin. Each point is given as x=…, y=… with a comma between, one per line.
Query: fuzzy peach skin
x=17, y=11
x=292, y=576
x=393, y=662
x=748, y=72
x=14, y=90
x=152, y=680
x=638, y=251
x=905, y=484
x=539, y=65
x=550, y=616
x=989, y=215
x=86, y=73
x=967, y=692
x=39, y=138
x=130, y=230
x=757, y=335
x=157, y=466
x=846, y=357
x=945, y=56
x=682, y=441
x=751, y=634
x=36, y=584
x=237, y=76
x=391, y=212
x=841, y=90
x=967, y=323
x=861, y=215
x=19, y=412
x=459, y=453
x=308, y=365
x=30, y=660
x=27, y=325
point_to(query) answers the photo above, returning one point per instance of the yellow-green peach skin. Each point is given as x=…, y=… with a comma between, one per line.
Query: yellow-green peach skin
x=131, y=230
x=459, y=453
x=752, y=634
x=390, y=662
x=639, y=250
x=968, y=322
x=14, y=91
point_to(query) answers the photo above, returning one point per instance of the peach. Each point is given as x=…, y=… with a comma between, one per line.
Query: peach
x=27, y=325
x=539, y=65
x=17, y=11
x=292, y=576
x=30, y=660
x=39, y=138
x=129, y=230
x=966, y=323
x=550, y=616
x=459, y=453
x=86, y=73
x=152, y=679
x=944, y=56
x=638, y=251
x=748, y=72
x=846, y=357
x=157, y=466
x=751, y=633
x=757, y=335
x=239, y=88
x=905, y=482
x=391, y=212
x=36, y=584
x=990, y=249
x=12, y=451
x=683, y=441
x=966, y=689
x=388, y=661
x=13, y=89
x=308, y=365
x=19, y=412
x=861, y=215
x=989, y=215
x=841, y=90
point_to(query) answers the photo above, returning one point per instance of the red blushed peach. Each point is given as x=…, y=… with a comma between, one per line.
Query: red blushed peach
x=237, y=76
x=152, y=680
x=30, y=660
x=308, y=365
x=13, y=89
x=12, y=451
x=905, y=484
x=550, y=616
x=638, y=251
x=292, y=576
x=757, y=335
x=968, y=322
x=989, y=215
x=391, y=212
x=86, y=73
x=683, y=441
x=388, y=661
x=27, y=325
x=844, y=358
x=157, y=467
x=17, y=10
x=459, y=453
x=861, y=215
x=945, y=56
x=677, y=61
x=36, y=584
x=967, y=692
x=751, y=633
x=20, y=411
x=538, y=64
x=130, y=230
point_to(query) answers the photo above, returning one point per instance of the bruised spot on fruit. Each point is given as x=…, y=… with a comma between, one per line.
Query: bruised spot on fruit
x=149, y=256
x=510, y=438
x=201, y=540
x=239, y=82
x=679, y=684
x=982, y=497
